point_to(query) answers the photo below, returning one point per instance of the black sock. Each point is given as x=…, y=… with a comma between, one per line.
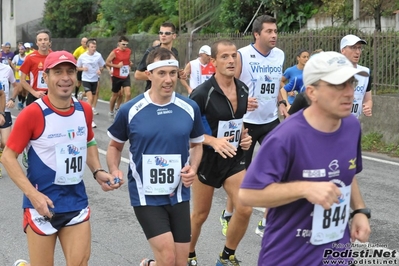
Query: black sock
x=19, y=97
x=192, y=254
x=227, y=253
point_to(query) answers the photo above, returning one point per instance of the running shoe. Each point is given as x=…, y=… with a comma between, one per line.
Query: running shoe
x=93, y=125
x=260, y=229
x=192, y=261
x=80, y=96
x=146, y=262
x=20, y=263
x=232, y=261
x=111, y=114
x=95, y=111
x=224, y=221
x=25, y=159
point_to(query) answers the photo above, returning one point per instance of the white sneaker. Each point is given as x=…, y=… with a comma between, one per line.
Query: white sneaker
x=111, y=113
x=93, y=125
x=80, y=96
x=95, y=111
x=20, y=263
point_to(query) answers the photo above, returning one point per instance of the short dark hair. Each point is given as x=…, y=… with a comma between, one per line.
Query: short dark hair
x=46, y=31
x=215, y=46
x=159, y=53
x=91, y=41
x=300, y=51
x=123, y=38
x=169, y=25
x=257, y=26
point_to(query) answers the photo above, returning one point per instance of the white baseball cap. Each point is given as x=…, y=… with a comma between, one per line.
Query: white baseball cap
x=350, y=40
x=27, y=45
x=205, y=49
x=331, y=67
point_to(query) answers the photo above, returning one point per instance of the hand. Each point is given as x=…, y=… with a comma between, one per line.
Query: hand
x=252, y=104
x=246, y=140
x=291, y=93
x=360, y=228
x=85, y=68
x=182, y=74
x=99, y=72
x=120, y=64
x=223, y=147
x=187, y=175
x=131, y=63
x=104, y=177
x=10, y=104
x=283, y=110
x=39, y=94
x=367, y=110
x=41, y=203
x=322, y=193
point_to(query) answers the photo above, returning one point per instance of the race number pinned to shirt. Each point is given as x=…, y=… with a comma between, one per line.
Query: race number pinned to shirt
x=232, y=129
x=124, y=71
x=161, y=173
x=41, y=84
x=71, y=163
x=330, y=225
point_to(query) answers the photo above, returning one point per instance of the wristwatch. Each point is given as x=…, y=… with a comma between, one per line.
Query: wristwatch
x=12, y=99
x=365, y=211
x=98, y=170
x=282, y=102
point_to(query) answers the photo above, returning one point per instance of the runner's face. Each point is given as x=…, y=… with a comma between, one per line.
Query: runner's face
x=61, y=80
x=226, y=60
x=164, y=80
x=43, y=42
x=83, y=42
x=123, y=45
x=205, y=58
x=268, y=36
x=353, y=52
x=303, y=58
x=92, y=48
x=164, y=37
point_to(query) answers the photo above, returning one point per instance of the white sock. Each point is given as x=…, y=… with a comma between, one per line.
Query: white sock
x=264, y=222
x=227, y=214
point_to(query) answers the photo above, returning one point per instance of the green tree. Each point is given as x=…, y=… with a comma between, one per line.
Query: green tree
x=66, y=18
x=377, y=8
x=118, y=13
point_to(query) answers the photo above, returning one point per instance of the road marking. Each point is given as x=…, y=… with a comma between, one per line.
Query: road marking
x=380, y=160
x=103, y=152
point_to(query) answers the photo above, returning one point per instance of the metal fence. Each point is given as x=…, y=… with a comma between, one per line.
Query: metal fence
x=381, y=54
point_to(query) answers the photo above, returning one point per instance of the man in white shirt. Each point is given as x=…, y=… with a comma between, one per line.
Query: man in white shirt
x=91, y=63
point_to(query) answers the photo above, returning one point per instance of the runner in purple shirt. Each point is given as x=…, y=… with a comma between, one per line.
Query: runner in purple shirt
x=304, y=173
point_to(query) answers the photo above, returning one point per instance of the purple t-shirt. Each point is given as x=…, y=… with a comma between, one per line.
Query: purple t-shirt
x=6, y=56
x=294, y=151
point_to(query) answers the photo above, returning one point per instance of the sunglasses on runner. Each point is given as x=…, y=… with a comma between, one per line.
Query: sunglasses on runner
x=165, y=32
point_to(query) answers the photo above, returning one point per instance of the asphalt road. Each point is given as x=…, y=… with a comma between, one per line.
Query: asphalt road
x=117, y=238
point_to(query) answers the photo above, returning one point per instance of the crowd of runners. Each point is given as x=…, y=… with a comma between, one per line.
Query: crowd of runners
x=304, y=118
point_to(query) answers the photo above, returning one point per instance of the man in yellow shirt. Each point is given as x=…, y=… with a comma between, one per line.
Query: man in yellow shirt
x=78, y=52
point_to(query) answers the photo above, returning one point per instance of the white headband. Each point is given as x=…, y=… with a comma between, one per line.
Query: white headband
x=161, y=63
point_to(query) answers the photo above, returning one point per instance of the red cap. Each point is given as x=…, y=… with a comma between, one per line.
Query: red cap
x=55, y=58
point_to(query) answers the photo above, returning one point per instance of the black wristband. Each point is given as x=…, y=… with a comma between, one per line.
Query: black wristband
x=12, y=99
x=98, y=170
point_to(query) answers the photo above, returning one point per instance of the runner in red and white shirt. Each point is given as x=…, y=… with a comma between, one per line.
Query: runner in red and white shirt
x=33, y=64
x=199, y=70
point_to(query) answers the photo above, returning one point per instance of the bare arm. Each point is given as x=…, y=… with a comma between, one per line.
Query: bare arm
x=183, y=82
x=28, y=87
x=189, y=172
x=39, y=201
x=140, y=75
x=111, y=57
x=114, y=153
x=93, y=162
x=367, y=104
x=360, y=227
